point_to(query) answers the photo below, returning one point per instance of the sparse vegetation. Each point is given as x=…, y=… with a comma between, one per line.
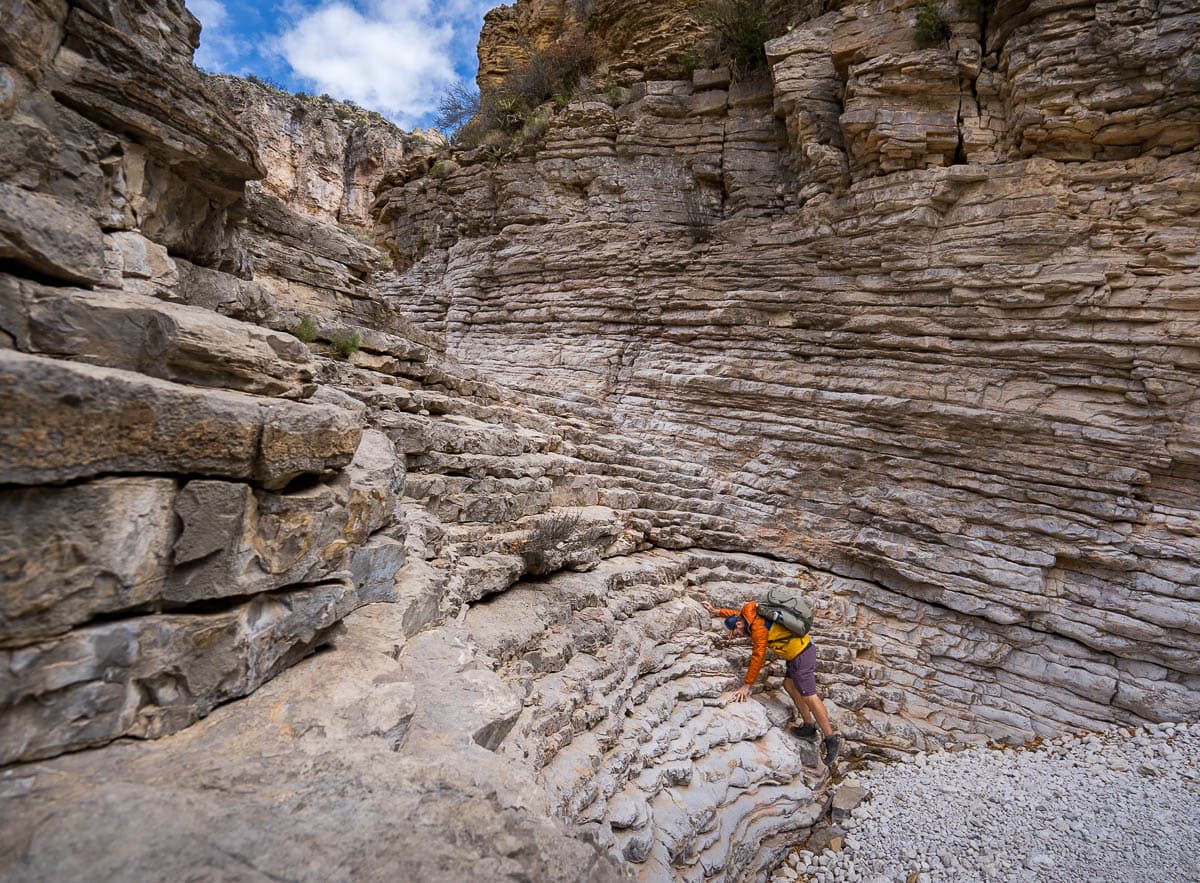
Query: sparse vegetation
x=931, y=27
x=346, y=345
x=440, y=170
x=701, y=219
x=582, y=10
x=267, y=83
x=546, y=537
x=306, y=330
x=551, y=74
x=740, y=28
x=688, y=62
x=343, y=109
x=536, y=125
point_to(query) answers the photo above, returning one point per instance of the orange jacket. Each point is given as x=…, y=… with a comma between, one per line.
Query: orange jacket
x=758, y=637
x=784, y=643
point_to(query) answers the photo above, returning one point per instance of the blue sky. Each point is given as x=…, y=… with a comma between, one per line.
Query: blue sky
x=393, y=56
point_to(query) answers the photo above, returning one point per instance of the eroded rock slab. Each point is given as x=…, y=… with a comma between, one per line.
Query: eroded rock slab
x=71, y=421
x=152, y=675
x=175, y=342
x=305, y=780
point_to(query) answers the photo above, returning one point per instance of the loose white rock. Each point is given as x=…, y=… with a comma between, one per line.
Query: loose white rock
x=1088, y=808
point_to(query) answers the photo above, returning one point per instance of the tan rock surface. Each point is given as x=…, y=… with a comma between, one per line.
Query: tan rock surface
x=934, y=353
x=72, y=421
x=322, y=157
x=910, y=356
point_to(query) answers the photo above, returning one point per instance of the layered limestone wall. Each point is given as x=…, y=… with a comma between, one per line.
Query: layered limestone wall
x=939, y=353
x=182, y=505
x=941, y=343
x=323, y=158
x=638, y=37
x=198, y=507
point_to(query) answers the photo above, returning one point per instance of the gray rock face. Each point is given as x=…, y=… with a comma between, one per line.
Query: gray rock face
x=75, y=421
x=144, y=334
x=149, y=676
x=938, y=353
x=940, y=344
x=69, y=553
x=49, y=237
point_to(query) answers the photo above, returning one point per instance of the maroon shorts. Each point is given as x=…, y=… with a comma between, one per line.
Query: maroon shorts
x=802, y=669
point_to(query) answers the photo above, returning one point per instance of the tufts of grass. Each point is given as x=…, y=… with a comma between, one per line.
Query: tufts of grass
x=306, y=330
x=547, y=536
x=347, y=345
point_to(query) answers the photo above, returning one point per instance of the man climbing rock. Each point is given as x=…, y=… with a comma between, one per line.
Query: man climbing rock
x=800, y=680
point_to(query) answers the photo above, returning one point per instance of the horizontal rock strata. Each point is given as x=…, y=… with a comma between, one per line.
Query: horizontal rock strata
x=185, y=510
x=919, y=323
x=912, y=329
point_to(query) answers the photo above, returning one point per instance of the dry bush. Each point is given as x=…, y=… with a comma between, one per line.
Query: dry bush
x=740, y=28
x=546, y=536
x=456, y=108
x=549, y=74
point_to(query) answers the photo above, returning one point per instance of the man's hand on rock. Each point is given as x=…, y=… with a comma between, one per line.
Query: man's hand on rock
x=709, y=607
x=741, y=694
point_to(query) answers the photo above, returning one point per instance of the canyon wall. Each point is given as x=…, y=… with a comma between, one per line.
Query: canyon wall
x=929, y=314
x=323, y=158
x=277, y=571
x=321, y=563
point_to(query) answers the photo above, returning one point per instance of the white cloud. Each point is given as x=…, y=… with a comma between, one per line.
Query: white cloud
x=218, y=50
x=394, y=56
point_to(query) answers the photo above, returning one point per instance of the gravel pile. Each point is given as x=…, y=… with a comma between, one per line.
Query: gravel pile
x=1119, y=807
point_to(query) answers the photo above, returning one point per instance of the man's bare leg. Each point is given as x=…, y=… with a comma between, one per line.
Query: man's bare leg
x=801, y=706
x=817, y=708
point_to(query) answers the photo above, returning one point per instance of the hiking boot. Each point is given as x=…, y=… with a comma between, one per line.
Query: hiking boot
x=804, y=731
x=832, y=746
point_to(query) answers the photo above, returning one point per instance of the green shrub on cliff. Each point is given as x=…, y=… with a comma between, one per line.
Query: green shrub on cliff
x=306, y=331
x=347, y=345
x=980, y=9
x=931, y=27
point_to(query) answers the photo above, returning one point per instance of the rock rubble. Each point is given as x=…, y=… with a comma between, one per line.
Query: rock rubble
x=1101, y=808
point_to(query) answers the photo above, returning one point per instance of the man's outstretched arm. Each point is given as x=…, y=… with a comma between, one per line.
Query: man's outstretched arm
x=719, y=611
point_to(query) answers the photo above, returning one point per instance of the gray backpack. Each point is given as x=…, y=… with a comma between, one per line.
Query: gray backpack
x=787, y=607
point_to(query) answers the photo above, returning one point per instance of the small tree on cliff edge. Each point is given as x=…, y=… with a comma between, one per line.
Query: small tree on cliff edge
x=457, y=107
